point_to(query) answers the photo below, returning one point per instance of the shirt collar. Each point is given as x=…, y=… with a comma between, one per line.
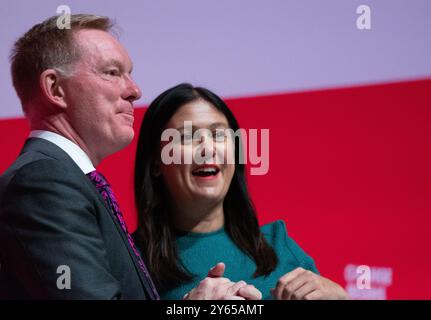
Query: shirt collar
x=73, y=150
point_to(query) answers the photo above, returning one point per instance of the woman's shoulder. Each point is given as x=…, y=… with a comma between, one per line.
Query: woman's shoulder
x=274, y=230
x=277, y=236
x=275, y=233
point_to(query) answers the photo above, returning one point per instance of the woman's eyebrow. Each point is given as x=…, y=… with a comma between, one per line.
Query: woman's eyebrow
x=211, y=126
x=218, y=125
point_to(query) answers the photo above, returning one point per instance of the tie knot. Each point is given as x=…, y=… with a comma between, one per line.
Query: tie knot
x=98, y=179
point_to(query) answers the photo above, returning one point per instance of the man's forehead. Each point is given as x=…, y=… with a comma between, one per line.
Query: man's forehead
x=93, y=36
x=103, y=45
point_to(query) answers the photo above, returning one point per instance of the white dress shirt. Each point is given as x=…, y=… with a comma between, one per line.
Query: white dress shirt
x=73, y=150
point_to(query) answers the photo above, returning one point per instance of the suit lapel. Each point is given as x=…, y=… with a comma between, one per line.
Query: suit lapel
x=50, y=149
x=132, y=255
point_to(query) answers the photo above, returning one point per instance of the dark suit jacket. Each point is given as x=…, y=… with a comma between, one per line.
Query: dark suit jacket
x=51, y=215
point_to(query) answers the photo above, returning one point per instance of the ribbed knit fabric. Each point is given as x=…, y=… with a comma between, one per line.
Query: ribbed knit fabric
x=201, y=251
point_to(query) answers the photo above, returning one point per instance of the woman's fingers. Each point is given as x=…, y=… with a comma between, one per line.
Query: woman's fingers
x=233, y=290
x=304, y=284
x=284, y=280
x=289, y=291
x=250, y=292
x=301, y=292
x=217, y=270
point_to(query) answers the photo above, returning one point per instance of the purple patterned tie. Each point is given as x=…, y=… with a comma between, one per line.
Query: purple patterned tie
x=105, y=190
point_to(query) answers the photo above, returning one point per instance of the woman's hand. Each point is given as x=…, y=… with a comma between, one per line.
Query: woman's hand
x=215, y=287
x=223, y=289
x=301, y=284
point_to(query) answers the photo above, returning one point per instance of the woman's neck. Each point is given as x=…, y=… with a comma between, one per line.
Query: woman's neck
x=201, y=219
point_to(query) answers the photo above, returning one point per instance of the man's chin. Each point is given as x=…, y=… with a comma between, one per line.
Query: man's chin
x=124, y=139
x=114, y=143
x=127, y=137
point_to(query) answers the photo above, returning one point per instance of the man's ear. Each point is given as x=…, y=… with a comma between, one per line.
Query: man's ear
x=51, y=89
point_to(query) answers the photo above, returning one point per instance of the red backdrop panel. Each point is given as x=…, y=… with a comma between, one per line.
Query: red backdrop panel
x=349, y=173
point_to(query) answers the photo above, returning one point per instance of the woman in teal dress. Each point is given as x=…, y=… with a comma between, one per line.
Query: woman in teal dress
x=194, y=209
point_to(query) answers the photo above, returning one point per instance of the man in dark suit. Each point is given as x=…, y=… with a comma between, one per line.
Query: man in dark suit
x=62, y=234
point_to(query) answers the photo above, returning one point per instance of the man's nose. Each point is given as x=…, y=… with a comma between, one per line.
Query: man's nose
x=131, y=91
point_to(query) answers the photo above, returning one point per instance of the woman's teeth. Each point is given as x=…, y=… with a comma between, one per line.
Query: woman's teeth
x=204, y=172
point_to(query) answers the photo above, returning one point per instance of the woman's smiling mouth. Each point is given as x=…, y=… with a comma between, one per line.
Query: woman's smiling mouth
x=206, y=171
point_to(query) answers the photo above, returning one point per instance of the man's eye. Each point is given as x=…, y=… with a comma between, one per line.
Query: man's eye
x=113, y=72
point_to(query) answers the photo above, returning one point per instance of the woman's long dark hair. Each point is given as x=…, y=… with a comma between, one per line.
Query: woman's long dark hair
x=155, y=235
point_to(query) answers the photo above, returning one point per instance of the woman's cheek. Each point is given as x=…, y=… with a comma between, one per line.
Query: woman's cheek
x=229, y=152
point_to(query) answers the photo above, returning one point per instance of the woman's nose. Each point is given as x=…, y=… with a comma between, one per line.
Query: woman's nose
x=207, y=148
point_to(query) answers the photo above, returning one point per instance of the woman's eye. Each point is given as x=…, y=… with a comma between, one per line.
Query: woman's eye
x=219, y=135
